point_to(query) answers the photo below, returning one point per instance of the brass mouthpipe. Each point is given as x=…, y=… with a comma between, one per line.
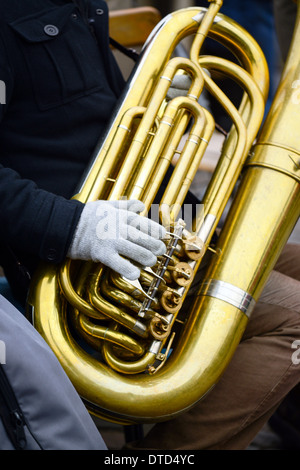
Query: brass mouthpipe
x=204, y=28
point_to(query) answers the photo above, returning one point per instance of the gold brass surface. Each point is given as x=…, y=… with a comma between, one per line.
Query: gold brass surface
x=157, y=348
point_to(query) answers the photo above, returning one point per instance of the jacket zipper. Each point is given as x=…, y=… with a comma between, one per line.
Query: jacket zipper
x=13, y=418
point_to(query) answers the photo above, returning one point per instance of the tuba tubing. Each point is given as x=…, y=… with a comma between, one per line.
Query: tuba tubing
x=263, y=214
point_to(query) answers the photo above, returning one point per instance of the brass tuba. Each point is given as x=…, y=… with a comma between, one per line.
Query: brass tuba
x=136, y=352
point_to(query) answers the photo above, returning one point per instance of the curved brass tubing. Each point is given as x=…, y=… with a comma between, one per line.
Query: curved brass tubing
x=92, y=333
x=110, y=310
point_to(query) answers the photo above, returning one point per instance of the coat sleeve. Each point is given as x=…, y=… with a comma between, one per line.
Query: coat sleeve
x=31, y=219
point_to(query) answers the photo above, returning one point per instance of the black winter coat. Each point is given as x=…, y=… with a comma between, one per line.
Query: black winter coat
x=61, y=86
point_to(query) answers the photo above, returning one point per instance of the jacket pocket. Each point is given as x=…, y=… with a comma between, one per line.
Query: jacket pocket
x=61, y=55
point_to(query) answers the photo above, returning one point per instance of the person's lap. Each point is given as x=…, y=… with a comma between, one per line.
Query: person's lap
x=258, y=378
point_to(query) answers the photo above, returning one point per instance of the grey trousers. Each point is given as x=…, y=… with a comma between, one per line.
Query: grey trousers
x=263, y=370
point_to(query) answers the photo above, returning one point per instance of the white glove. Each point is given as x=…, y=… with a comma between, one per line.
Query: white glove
x=109, y=230
x=179, y=87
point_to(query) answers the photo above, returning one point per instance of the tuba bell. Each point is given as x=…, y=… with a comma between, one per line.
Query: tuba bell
x=147, y=351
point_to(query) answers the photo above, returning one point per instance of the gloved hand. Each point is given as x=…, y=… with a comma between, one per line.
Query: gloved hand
x=109, y=230
x=179, y=87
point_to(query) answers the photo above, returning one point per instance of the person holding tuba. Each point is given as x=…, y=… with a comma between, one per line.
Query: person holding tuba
x=62, y=84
